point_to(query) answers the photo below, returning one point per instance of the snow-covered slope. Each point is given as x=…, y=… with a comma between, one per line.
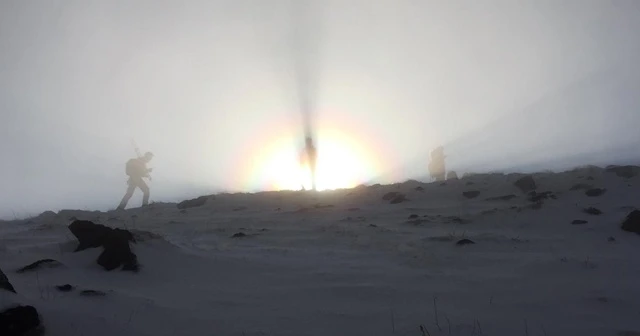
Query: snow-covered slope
x=347, y=262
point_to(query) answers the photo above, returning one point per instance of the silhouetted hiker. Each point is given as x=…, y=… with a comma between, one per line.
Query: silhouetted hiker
x=309, y=157
x=436, y=166
x=137, y=170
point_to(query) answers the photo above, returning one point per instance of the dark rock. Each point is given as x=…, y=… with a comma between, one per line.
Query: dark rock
x=372, y=225
x=595, y=192
x=624, y=171
x=471, y=194
x=526, y=184
x=398, y=199
x=418, y=188
x=579, y=222
x=455, y=219
x=240, y=208
x=131, y=265
x=88, y=233
x=239, y=235
x=470, y=183
x=418, y=221
x=502, y=198
x=65, y=288
x=39, y=264
x=539, y=197
x=193, y=203
x=91, y=292
x=581, y=186
x=452, y=175
x=465, y=242
x=592, y=211
x=490, y=211
x=117, y=252
x=390, y=195
x=115, y=242
x=324, y=206
x=19, y=321
x=4, y=282
x=536, y=206
x=413, y=216
x=632, y=222
x=611, y=239
x=590, y=178
x=353, y=209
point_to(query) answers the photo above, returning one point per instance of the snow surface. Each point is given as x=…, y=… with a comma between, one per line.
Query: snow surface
x=346, y=262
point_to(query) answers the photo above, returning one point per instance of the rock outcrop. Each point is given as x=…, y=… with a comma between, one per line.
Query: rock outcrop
x=632, y=222
x=193, y=203
x=4, y=283
x=471, y=193
x=19, y=321
x=526, y=184
x=115, y=242
x=624, y=171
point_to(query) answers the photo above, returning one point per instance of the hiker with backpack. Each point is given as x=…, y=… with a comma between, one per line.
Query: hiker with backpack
x=137, y=170
x=309, y=158
x=436, y=166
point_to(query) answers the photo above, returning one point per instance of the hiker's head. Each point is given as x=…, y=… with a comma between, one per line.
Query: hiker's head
x=147, y=156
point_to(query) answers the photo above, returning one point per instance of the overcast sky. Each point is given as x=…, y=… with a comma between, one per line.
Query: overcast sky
x=206, y=84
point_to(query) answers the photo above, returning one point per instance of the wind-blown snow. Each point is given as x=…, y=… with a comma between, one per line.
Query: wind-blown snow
x=348, y=263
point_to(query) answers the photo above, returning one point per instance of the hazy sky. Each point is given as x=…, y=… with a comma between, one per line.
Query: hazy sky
x=206, y=85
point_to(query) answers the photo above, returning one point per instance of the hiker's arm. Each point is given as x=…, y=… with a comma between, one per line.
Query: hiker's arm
x=144, y=170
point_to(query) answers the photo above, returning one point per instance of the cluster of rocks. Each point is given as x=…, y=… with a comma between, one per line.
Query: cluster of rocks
x=623, y=171
x=394, y=197
x=528, y=186
x=115, y=242
x=22, y=320
x=17, y=320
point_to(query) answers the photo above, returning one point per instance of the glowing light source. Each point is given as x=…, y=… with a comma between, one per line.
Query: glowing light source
x=342, y=163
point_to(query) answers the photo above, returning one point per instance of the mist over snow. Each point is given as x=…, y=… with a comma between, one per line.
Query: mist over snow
x=209, y=86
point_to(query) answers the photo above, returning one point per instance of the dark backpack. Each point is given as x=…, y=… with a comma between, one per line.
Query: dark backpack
x=132, y=168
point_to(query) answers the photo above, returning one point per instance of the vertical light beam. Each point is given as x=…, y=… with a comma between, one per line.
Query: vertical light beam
x=304, y=43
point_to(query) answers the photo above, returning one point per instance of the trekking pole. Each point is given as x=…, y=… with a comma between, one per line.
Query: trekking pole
x=135, y=148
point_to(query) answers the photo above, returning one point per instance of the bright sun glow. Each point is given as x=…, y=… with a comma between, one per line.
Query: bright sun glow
x=340, y=164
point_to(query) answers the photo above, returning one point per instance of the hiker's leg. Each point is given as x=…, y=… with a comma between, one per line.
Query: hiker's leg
x=312, y=167
x=145, y=192
x=127, y=196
